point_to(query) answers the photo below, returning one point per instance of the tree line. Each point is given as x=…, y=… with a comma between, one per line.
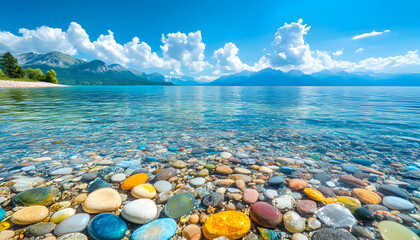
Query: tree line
x=12, y=69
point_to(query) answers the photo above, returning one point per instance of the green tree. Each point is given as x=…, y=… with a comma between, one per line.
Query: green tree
x=50, y=76
x=19, y=72
x=35, y=74
x=1, y=73
x=9, y=64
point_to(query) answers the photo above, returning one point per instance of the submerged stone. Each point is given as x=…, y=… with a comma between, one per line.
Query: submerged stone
x=394, y=231
x=107, y=226
x=75, y=223
x=397, y=203
x=160, y=229
x=361, y=161
x=363, y=214
x=333, y=234
x=36, y=196
x=179, y=205
x=228, y=224
x=336, y=216
x=2, y=213
x=98, y=184
x=265, y=215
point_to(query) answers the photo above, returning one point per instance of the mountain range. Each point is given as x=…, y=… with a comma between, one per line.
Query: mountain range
x=72, y=71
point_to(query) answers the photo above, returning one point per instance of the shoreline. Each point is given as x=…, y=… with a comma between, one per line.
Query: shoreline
x=21, y=84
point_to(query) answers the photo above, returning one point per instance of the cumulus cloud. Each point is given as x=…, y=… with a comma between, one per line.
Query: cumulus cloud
x=360, y=50
x=338, y=52
x=292, y=52
x=185, y=49
x=228, y=60
x=42, y=39
x=371, y=34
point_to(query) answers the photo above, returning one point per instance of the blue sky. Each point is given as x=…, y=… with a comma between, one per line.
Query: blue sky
x=249, y=26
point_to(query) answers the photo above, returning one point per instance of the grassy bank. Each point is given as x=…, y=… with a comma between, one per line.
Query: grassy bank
x=18, y=79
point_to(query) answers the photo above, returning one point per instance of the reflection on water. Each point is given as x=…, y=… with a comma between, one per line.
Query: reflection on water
x=114, y=114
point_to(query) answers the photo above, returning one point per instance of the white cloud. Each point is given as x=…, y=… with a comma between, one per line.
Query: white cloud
x=185, y=49
x=360, y=50
x=338, y=52
x=227, y=59
x=371, y=34
x=205, y=78
x=42, y=39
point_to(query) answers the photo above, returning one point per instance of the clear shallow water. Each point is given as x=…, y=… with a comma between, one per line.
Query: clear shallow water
x=70, y=120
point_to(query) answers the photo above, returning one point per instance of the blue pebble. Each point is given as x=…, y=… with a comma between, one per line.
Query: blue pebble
x=173, y=149
x=151, y=159
x=141, y=147
x=276, y=180
x=107, y=226
x=361, y=161
x=160, y=229
x=98, y=184
x=286, y=169
x=2, y=213
x=248, y=161
x=124, y=164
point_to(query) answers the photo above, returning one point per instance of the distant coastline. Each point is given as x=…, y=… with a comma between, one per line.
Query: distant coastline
x=21, y=84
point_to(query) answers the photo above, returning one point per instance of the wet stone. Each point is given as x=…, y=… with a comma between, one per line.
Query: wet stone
x=236, y=225
x=336, y=216
x=165, y=174
x=76, y=223
x=40, y=229
x=397, y=203
x=393, y=191
x=98, y=184
x=36, y=196
x=265, y=215
x=213, y=199
x=107, y=226
x=179, y=205
x=333, y=234
x=162, y=229
x=140, y=211
x=306, y=206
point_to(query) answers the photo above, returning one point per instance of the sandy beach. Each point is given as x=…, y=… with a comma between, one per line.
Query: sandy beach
x=17, y=84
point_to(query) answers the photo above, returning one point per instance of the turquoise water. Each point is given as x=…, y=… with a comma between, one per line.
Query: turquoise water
x=72, y=120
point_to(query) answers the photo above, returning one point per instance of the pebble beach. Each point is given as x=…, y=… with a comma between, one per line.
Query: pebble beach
x=18, y=84
x=206, y=181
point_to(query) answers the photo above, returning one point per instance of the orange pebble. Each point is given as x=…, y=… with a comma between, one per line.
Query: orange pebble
x=134, y=180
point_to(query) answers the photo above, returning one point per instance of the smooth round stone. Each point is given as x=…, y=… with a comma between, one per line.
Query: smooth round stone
x=144, y=190
x=119, y=177
x=102, y=200
x=299, y=236
x=162, y=186
x=322, y=177
x=326, y=191
x=333, y=234
x=225, y=155
x=76, y=223
x=270, y=194
x=349, y=168
x=306, y=206
x=98, y=184
x=179, y=205
x=73, y=236
x=241, y=170
x=61, y=171
x=62, y=214
x=366, y=196
x=248, y=161
x=165, y=174
x=198, y=181
x=397, y=203
x=40, y=229
x=297, y=184
x=284, y=202
x=228, y=224
x=210, y=166
x=213, y=199
x=140, y=211
x=6, y=234
x=250, y=196
x=160, y=229
x=293, y=222
x=29, y=215
x=276, y=180
x=124, y=164
x=394, y=231
x=107, y=226
x=134, y=180
x=265, y=215
x=286, y=170
x=36, y=196
x=394, y=191
x=192, y=232
x=89, y=176
x=363, y=214
x=336, y=216
x=2, y=213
